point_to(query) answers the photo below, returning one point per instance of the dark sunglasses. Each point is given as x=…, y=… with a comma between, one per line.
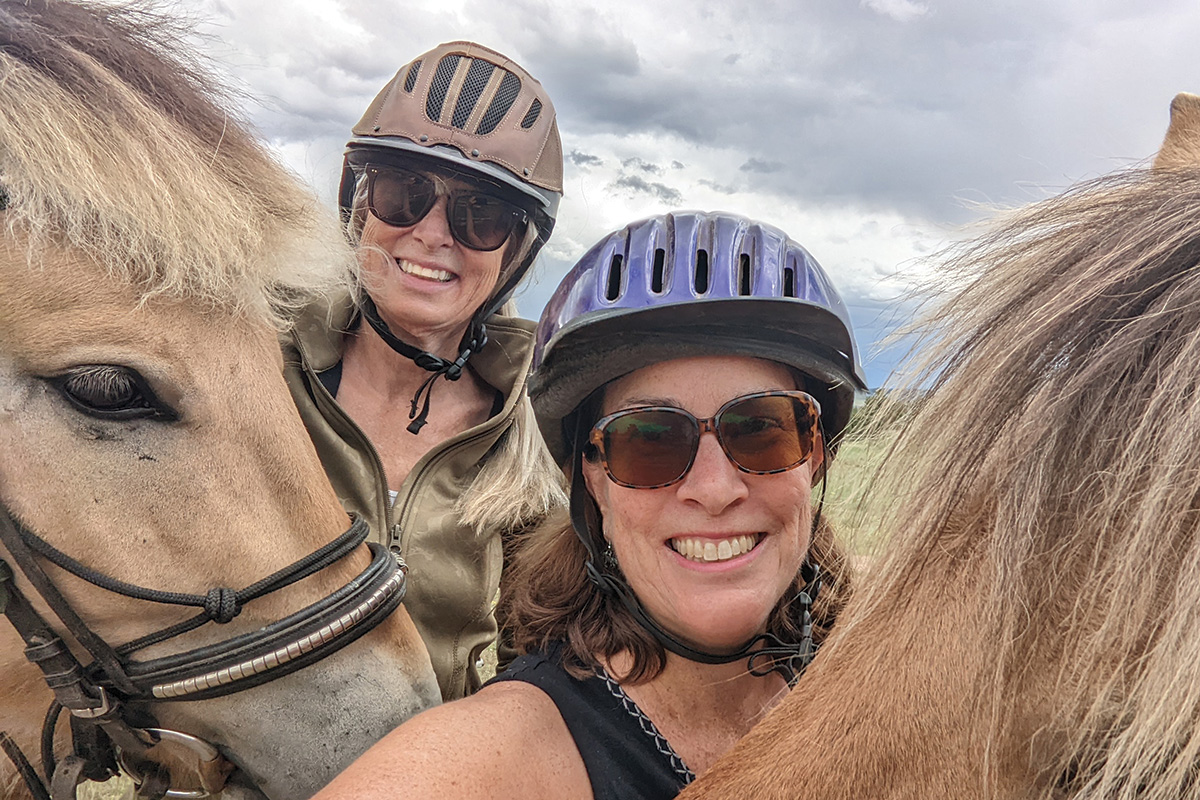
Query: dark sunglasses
x=763, y=433
x=476, y=219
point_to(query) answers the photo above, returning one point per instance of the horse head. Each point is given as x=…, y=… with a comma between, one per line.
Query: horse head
x=151, y=253
x=1030, y=629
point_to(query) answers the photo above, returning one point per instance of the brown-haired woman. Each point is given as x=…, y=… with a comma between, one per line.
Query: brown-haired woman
x=692, y=370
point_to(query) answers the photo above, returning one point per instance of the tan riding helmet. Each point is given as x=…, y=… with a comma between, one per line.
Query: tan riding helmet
x=477, y=110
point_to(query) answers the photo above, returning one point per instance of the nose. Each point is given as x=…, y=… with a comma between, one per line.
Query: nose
x=713, y=482
x=433, y=229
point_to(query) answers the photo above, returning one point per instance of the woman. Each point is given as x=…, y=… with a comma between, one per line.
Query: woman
x=450, y=187
x=668, y=614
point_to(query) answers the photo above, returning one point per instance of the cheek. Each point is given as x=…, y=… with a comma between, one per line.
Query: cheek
x=622, y=511
x=792, y=501
x=486, y=266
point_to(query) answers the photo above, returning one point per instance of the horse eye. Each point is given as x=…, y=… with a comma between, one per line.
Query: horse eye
x=112, y=392
x=3, y=199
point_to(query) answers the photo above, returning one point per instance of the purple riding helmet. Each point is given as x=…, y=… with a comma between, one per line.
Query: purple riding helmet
x=678, y=285
x=688, y=284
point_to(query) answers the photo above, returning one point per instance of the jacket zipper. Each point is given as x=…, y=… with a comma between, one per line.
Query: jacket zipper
x=391, y=535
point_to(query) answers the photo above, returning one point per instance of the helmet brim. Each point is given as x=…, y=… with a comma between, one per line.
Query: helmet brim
x=602, y=346
x=547, y=201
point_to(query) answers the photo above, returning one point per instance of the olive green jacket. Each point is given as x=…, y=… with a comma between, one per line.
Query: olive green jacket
x=454, y=571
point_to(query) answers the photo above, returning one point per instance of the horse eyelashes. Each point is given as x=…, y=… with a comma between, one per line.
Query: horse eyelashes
x=112, y=392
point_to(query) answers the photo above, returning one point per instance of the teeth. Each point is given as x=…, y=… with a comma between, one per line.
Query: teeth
x=424, y=272
x=709, y=550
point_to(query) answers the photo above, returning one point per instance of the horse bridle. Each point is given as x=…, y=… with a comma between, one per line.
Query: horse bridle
x=106, y=697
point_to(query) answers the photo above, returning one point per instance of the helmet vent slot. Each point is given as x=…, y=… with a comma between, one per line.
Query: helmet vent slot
x=656, y=277
x=535, y=110
x=744, y=276
x=506, y=95
x=789, y=281
x=613, y=290
x=700, y=278
x=478, y=75
x=442, y=77
x=411, y=79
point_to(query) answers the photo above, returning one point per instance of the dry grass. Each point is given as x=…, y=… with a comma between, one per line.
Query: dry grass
x=857, y=460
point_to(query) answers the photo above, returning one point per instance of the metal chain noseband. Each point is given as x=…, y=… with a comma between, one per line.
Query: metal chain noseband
x=98, y=694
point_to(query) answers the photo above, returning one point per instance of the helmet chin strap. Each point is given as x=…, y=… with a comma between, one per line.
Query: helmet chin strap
x=765, y=653
x=473, y=342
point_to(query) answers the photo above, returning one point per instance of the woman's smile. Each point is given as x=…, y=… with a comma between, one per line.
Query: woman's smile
x=424, y=272
x=709, y=555
x=707, y=549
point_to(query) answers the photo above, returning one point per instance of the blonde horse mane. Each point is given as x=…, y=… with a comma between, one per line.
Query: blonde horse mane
x=113, y=143
x=1060, y=445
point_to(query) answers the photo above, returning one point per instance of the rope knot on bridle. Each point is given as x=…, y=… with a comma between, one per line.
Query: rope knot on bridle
x=221, y=605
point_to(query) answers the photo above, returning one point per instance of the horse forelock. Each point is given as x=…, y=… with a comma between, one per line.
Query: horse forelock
x=1059, y=447
x=114, y=140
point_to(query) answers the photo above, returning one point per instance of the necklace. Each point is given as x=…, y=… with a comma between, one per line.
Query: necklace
x=648, y=727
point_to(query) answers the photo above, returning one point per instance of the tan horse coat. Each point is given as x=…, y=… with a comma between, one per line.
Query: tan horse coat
x=1032, y=629
x=150, y=253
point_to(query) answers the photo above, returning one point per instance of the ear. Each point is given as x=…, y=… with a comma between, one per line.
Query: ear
x=597, y=484
x=1181, y=147
x=817, y=460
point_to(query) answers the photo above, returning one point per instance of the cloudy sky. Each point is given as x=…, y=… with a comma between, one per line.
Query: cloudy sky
x=871, y=130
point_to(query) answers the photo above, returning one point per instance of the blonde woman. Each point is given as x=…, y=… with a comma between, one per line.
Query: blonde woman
x=414, y=390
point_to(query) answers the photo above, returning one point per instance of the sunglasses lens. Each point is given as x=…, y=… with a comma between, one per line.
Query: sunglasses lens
x=649, y=448
x=768, y=434
x=482, y=222
x=400, y=198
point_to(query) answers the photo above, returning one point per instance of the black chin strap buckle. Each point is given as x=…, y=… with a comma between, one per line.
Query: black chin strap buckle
x=790, y=659
x=440, y=367
x=452, y=370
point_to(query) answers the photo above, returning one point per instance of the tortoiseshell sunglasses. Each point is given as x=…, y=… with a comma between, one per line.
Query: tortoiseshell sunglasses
x=653, y=447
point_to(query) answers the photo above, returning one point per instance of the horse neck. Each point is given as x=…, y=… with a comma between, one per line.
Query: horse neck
x=894, y=721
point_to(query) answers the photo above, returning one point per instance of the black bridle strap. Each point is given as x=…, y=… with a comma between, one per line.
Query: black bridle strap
x=220, y=605
x=24, y=768
x=312, y=563
x=248, y=660
x=65, y=676
x=284, y=646
x=106, y=659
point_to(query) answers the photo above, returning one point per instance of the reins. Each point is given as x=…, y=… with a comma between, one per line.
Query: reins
x=106, y=728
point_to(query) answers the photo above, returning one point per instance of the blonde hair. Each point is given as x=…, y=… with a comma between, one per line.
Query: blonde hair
x=520, y=484
x=153, y=178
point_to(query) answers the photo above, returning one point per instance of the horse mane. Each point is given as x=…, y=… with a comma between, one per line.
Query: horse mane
x=1058, y=444
x=116, y=141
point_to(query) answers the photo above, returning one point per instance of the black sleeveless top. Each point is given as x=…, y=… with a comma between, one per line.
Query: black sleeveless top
x=625, y=755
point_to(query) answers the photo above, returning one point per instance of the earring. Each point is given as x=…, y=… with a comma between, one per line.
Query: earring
x=609, y=558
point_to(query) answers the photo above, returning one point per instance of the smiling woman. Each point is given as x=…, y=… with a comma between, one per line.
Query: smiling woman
x=451, y=185
x=694, y=372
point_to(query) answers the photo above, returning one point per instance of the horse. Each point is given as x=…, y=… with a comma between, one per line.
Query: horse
x=1032, y=624
x=151, y=254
